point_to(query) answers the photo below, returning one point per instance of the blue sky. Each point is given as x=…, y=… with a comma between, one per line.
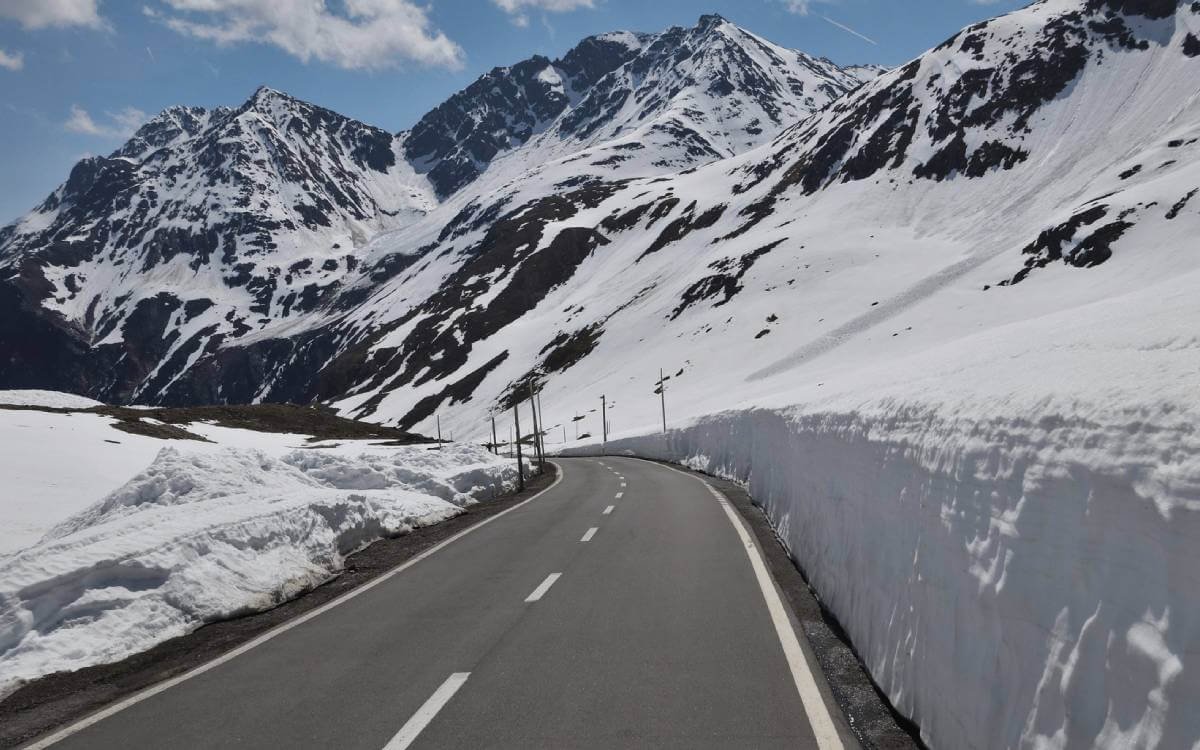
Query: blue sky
x=77, y=75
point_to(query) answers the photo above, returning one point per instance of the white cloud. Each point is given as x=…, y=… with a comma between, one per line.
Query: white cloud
x=799, y=7
x=119, y=124
x=41, y=14
x=12, y=60
x=516, y=9
x=364, y=34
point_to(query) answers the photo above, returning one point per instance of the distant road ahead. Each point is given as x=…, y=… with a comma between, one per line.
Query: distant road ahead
x=617, y=609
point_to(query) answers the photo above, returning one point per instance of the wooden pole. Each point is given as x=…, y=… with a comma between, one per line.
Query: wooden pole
x=495, y=443
x=439, y=425
x=542, y=422
x=537, y=430
x=520, y=466
x=603, y=422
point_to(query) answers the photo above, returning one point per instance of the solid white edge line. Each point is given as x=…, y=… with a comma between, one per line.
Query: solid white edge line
x=609, y=509
x=154, y=690
x=543, y=587
x=819, y=718
x=587, y=535
x=429, y=709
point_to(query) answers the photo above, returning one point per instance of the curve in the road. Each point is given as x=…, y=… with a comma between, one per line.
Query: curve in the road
x=618, y=611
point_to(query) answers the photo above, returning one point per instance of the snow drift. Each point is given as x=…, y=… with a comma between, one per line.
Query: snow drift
x=202, y=535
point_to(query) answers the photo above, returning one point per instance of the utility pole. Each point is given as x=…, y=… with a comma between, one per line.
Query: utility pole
x=537, y=430
x=662, y=393
x=603, y=422
x=439, y=425
x=495, y=444
x=520, y=467
x=564, y=434
x=510, y=442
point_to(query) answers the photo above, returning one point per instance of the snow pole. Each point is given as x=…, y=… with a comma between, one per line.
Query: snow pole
x=662, y=394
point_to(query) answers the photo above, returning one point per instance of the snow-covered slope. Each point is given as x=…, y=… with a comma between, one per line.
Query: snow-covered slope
x=1001, y=175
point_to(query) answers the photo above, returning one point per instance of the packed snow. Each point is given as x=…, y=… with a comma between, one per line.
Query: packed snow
x=201, y=535
x=49, y=399
x=54, y=465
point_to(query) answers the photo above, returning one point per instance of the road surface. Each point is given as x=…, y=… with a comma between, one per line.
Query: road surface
x=619, y=608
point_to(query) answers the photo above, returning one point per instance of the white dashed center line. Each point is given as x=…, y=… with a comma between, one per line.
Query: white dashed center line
x=426, y=712
x=609, y=509
x=587, y=537
x=543, y=587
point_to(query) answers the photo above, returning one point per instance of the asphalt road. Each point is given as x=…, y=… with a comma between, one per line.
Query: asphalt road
x=618, y=609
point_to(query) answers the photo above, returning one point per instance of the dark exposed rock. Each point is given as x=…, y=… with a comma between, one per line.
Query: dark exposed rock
x=457, y=392
x=1063, y=243
x=502, y=110
x=566, y=350
x=685, y=225
x=1182, y=203
x=725, y=283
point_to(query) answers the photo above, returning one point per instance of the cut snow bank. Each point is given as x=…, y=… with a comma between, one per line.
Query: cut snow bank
x=1025, y=575
x=203, y=535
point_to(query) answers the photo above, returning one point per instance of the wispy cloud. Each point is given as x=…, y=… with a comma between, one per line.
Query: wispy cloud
x=363, y=34
x=41, y=14
x=11, y=60
x=800, y=7
x=118, y=124
x=849, y=30
x=518, y=10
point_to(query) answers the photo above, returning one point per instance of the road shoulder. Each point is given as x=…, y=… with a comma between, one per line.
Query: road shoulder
x=845, y=679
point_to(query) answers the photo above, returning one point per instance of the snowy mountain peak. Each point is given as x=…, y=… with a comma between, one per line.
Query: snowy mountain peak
x=167, y=127
x=710, y=90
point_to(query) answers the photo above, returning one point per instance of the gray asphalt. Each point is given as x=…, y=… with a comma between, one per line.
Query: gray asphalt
x=656, y=635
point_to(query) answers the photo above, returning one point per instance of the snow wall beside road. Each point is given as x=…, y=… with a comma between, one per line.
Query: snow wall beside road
x=1010, y=581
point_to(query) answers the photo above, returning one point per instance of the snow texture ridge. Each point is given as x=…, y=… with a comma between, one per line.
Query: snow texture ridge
x=200, y=536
